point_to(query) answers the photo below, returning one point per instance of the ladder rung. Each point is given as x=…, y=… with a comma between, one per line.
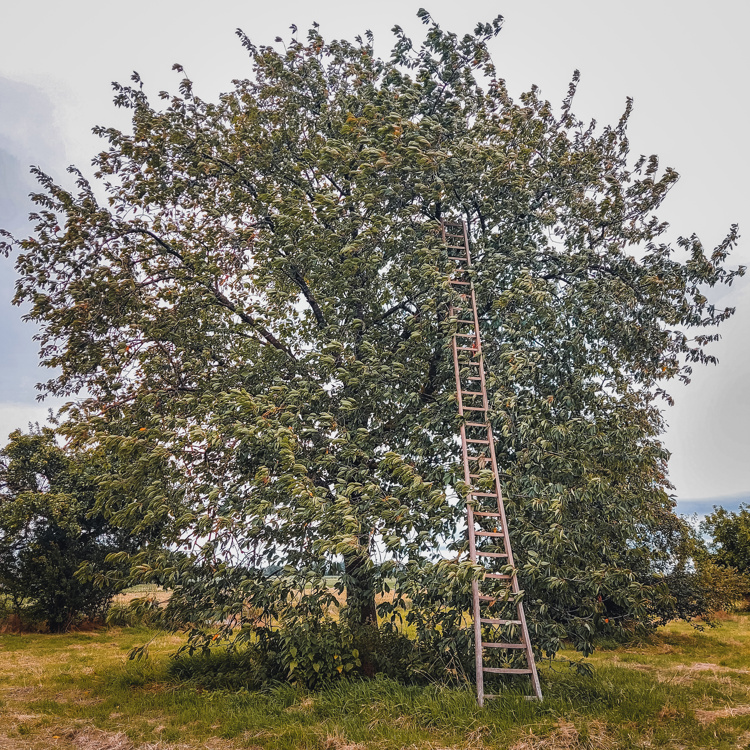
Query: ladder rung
x=474, y=408
x=505, y=670
x=489, y=533
x=473, y=440
x=476, y=424
x=487, y=514
x=495, y=621
x=453, y=257
x=491, y=554
x=465, y=321
x=472, y=393
x=462, y=283
x=504, y=645
x=467, y=348
x=485, y=598
x=466, y=335
x=477, y=458
x=482, y=494
x=499, y=576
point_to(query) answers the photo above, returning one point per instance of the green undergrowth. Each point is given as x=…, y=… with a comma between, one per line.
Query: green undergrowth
x=678, y=689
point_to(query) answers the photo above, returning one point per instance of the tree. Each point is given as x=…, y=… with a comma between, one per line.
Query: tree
x=255, y=318
x=730, y=536
x=49, y=528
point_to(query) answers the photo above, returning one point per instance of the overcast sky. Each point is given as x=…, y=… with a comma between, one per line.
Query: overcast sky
x=685, y=64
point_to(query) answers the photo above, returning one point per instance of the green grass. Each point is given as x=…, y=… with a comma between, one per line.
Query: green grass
x=680, y=689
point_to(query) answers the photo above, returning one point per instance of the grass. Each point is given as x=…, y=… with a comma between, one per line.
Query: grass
x=680, y=689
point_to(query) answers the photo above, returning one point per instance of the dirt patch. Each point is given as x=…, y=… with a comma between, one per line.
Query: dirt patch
x=566, y=736
x=96, y=739
x=18, y=693
x=706, y=717
x=707, y=667
x=336, y=742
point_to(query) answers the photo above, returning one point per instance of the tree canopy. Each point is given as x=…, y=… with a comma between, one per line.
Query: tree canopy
x=730, y=536
x=250, y=305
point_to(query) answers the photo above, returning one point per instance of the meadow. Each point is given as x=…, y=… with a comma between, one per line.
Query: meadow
x=680, y=688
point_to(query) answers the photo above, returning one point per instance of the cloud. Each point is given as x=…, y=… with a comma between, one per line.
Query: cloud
x=27, y=135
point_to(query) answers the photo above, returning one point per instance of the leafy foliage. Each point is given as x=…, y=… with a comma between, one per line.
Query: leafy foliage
x=255, y=321
x=730, y=537
x=48, y=529
x=315, y=655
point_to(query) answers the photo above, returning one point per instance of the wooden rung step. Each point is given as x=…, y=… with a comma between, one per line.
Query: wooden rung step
x=504, y=645
x=475, y=408
x=482, y=494
x=462, y=283
x=495, y=621
x=487, y=514
x=489, y=533
x=499, y=576
x=466, y=335
x=476, y=440
x=505, y=670
x=453, y=257
x=482, y=553
x=476, y=424
x=465, y=321
x=486, y=598
x=472, y=393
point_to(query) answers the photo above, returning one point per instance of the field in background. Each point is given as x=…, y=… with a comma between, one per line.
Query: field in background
x=681, y=689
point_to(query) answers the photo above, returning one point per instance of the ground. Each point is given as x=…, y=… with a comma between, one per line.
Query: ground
x=680, y=689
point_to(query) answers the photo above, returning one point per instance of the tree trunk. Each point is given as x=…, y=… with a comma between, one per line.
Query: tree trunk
x=360, y=591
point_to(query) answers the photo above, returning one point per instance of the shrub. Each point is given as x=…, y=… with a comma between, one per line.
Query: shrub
x=310, y=655
x=50, y=528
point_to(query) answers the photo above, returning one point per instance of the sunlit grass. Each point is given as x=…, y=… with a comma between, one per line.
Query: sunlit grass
x=679, y=689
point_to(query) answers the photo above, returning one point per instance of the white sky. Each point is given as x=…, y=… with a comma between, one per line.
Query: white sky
x=685, y=63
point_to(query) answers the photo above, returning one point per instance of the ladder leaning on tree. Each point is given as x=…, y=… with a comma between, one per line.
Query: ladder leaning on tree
x=497, y=614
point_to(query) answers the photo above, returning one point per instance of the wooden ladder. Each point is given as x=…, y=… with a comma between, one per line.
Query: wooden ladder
x=487, y=526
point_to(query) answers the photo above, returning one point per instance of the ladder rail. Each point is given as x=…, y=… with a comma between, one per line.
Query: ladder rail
x=478, y=378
